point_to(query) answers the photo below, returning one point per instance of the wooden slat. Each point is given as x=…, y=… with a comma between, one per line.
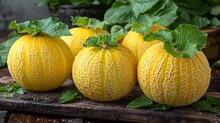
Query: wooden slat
x=213, y=36
x=39, y=118
x=215, y=81
x=4, y=72
x=3, y=116
x=46, y=103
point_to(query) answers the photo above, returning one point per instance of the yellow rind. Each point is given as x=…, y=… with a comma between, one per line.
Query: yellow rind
x=39, y=63
x=170, y=80
x=79, y=36
x=105, y=74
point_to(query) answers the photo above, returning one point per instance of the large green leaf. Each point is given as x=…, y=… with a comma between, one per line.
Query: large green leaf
x=119, y=3
x=193, y=7
x=167, y=15
x=160, y=5
x=200, y=21
x=50, y=26
x=5, y=46
x=123, y=13
x=185, y=41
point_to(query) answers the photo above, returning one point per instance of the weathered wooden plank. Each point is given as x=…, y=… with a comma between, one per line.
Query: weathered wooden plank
x=3, y=116
x=4, y=72
x=16, y=117
x=215, y=81
x=46, y=103
x=211, y=49
x=213, y=36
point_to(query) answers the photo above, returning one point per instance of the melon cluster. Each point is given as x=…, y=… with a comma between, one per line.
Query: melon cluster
x=168, y=65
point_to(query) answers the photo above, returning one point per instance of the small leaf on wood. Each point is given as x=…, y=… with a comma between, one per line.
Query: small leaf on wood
x=145, y=102
x=210, y=104
x=140, y=102
x=12, y=89
x=67, y=96
x=9, y=95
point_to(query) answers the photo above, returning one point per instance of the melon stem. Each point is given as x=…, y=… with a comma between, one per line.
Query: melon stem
x=105, y=46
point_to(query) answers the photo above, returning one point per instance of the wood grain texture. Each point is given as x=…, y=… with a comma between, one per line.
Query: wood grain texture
x=213, y=36
x=16, y=117
x=3, y=116
x=46, y=103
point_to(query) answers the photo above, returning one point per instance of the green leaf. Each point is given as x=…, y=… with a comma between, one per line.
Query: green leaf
x=163, y=35
x=140, y=102
x=143, y=23
x=9, y=95
x=12, y=89
x=200, y=21
x=119, y=3
x=141, y=6
x=145, y=102
x=185, y=41
x=215, y=10
x=116, y=28
x=215, y=21
x=67, y=96
x=54, y=2
x=40, y=4
x=159, y=107
x=2, y=89
x=86, y=22
x=214, y=2
x=105, y=40
x=167, y=15
x=92, y=42
x=123, y=12
x=211, y=104
x=49, y=26
x=193, y=7
x=114, y=37
x=160, y=5
x=78, y=2
x=127, y=27
x=19, y=91
x=5, y=46
x=216, y=64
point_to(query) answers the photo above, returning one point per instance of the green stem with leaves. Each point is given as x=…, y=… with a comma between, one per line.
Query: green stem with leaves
x=49, y=26
x=104, y=40
x=185, y=41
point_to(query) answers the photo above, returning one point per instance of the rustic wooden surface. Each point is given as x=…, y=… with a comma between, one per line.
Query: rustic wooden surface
x=46, y=103
x=17, y=117
x=213, y=36
x=3, y=116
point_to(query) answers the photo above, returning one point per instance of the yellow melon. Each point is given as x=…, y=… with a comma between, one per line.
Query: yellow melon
x=40, y=63
x=172, y=80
